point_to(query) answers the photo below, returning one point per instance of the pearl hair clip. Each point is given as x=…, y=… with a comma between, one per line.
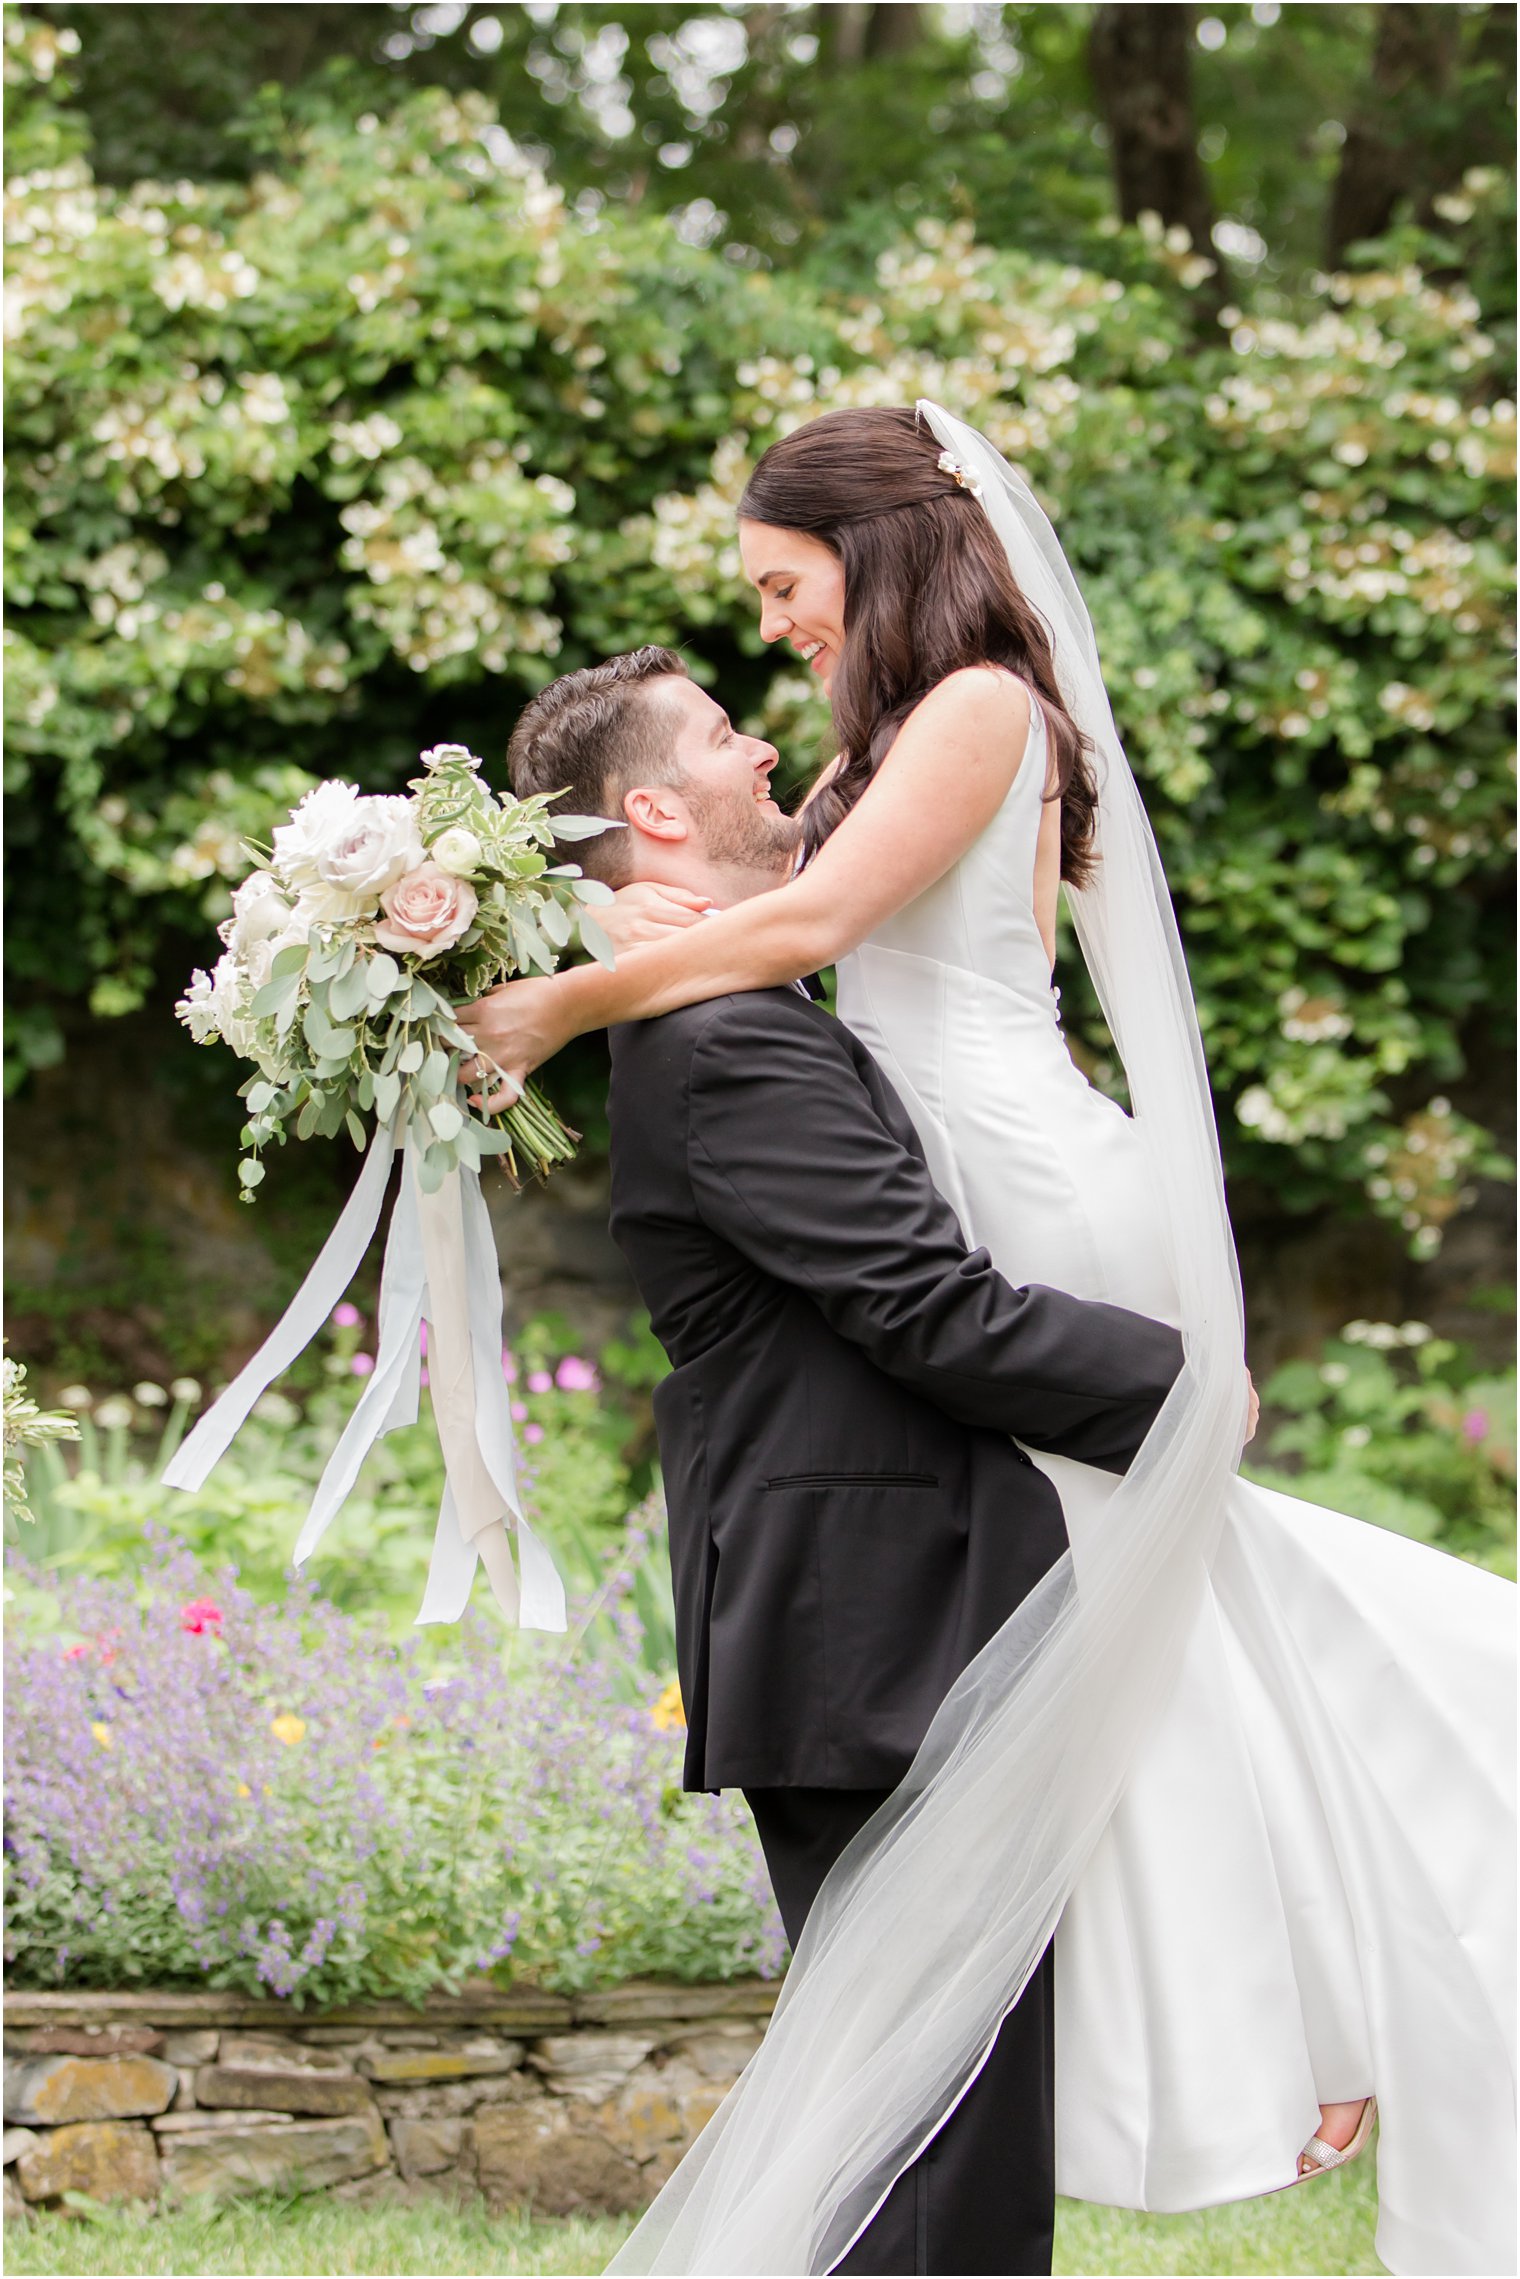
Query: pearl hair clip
x=951, y=466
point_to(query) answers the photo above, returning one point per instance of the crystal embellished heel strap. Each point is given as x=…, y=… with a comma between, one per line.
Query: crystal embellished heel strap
x=1323, y=2156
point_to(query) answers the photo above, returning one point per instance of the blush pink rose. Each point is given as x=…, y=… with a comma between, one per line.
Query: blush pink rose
x=426, y=912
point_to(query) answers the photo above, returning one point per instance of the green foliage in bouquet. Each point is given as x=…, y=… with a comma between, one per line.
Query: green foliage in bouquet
x=346, y=956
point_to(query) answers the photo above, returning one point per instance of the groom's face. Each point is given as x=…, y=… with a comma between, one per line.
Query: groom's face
x=721, y=803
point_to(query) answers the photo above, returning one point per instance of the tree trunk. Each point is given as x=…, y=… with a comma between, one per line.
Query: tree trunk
x=861, y=32
x=1387, y=154
x=1140, y=60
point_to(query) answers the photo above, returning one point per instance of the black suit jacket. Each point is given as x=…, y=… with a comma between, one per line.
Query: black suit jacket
x=850, y=1520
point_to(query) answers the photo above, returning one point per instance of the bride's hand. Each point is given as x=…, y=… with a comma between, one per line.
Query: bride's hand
x=515, y=1029
x=647, y=913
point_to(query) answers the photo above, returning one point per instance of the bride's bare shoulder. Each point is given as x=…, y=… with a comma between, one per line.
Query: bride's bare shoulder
x=984, y=706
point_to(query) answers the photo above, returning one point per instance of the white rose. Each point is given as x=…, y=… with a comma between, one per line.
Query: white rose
x=457, y=851
x=341, y=850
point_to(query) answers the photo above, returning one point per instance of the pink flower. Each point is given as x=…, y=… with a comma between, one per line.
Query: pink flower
x=519, y=1411
x=533, y=1432
x=540, y=1381
x=76, y=1653
x=508, y=1365
x=423, y=1378
x=424, y=1340
x=426, y=912
x=1475, y=1425
x=201, y=1615
x=576, y=1376
x=346, y=1316
x=361, y=1364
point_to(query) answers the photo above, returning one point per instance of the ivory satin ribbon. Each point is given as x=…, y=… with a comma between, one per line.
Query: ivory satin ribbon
x=440, y=1266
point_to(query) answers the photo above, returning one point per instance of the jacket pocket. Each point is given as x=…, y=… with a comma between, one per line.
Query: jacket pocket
x=854, y=1480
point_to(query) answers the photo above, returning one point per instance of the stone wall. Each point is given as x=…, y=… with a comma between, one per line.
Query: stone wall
x=564, y=2104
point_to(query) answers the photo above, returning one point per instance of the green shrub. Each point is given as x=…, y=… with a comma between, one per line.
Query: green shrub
x=310, y=470
x=1393, y=1425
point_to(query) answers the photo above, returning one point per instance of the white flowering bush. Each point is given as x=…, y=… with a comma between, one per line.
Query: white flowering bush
x=363, y=451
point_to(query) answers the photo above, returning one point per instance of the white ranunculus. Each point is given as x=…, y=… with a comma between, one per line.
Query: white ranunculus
x=341, y=849
x=457, y=851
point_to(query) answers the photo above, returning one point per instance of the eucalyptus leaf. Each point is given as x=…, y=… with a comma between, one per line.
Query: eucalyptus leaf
x=431, y=1167
x=289, y=962
x=349, y=994
x=595, y=938
x=387, y=1095
x=435, y=1073
x=250, y=1172
x=321, y=961
x=306, y=1122
x=410, y=1057
x=275, y=996
x=364, y=1090
x=555, y=923
x=592, y=890
x=356, y=1131
x=570, y=827
x=446, y=1120
x=259, y=1096
x=382, y=976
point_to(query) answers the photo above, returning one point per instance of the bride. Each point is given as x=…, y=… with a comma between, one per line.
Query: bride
x=1249, y=1755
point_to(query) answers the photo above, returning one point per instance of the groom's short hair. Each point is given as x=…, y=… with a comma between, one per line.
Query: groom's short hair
x=596, y=735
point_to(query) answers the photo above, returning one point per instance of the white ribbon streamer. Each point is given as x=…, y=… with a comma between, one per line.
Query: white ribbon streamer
x=440, y=1265
x=335, y=1266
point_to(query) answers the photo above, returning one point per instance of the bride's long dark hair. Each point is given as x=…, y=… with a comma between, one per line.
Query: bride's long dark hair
x=927, y=590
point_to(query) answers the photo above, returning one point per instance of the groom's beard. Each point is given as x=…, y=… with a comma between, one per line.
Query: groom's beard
x=739, y=834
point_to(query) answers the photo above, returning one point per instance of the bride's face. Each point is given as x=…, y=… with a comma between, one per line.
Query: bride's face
x=801, y=589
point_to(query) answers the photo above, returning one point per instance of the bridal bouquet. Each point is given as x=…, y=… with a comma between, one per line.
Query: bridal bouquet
x=347, y=950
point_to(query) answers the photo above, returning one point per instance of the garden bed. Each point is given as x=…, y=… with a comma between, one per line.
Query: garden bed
x=564, y=2103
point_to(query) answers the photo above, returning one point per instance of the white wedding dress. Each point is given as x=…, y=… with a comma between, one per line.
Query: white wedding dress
x=1305, y=1894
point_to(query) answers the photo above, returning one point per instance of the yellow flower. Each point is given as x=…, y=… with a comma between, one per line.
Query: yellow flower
x=102, y=1734
x=288, y=1728
x=243, y=1789
x=669, y=1711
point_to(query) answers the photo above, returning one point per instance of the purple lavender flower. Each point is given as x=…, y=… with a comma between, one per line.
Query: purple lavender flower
x=293, y=1804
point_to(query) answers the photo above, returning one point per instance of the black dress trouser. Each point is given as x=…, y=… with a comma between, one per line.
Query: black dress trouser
x=981, y=2197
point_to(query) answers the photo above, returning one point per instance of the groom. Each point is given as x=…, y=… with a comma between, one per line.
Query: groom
x=851, y=1517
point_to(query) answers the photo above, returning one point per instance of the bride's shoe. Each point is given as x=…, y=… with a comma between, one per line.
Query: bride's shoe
x=1322, y=2156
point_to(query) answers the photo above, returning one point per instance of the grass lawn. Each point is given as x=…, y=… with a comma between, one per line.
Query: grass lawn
x=1324, y=2229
